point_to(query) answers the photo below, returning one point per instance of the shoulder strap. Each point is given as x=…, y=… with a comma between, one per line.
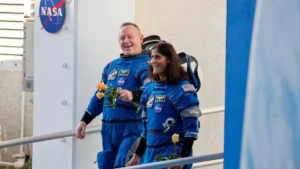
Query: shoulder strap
x=190, y=59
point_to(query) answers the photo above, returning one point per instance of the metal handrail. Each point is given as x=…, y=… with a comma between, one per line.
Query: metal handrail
x=69, y=133
x=208, y=163
x=187, y=160
x=46, y=137
x=213, y=110
x=7, y=164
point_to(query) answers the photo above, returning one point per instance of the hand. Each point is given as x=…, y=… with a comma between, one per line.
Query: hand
x=125, y=95
x=80, y=130
x=176, y=167
x=134, y=161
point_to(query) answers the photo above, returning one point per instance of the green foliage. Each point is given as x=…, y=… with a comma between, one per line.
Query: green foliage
x=160, y=157
x=112, y=95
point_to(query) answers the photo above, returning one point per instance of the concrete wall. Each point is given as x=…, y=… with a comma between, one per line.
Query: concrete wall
x=197, y=27
x=10, y=111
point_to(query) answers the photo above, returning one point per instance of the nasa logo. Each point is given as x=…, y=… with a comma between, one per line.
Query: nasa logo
x=52, y=14
x=121, y=82
x=158, y=108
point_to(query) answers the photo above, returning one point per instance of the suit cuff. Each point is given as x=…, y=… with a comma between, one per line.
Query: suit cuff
x=87, y=118
x=141, y=147
x=187, y=146
x=137, y=95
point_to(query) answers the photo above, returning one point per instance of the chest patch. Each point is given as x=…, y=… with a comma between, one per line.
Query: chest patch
x=160, y=98
x=150, y=102
x=121, y=81
x=158, y=108
x=123, y=72
x=188, y=87
x=112, y=75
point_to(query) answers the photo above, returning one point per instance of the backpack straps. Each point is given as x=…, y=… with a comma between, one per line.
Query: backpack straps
x=190, y=59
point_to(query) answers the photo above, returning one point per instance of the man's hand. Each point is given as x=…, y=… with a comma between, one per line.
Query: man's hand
x=176, y=167
x=134, y=161
x=125, y=95
x=80, y=130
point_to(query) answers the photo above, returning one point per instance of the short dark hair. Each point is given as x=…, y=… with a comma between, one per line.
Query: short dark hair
x=130, y=23
x=174, y=73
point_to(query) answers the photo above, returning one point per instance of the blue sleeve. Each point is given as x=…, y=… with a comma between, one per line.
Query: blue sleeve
x=142, y=73
x=95, y=106
x=144, y=87
x=144, y=119
x=186, y=103
x=144, y=99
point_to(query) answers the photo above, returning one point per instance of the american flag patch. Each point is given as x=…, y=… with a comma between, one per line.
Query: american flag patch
x=188, y=87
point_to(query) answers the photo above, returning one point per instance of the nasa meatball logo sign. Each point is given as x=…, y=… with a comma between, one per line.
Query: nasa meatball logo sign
x=52, y=14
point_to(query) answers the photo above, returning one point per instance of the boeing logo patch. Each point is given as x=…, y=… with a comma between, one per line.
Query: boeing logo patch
x=123, y=72
x=160, y=98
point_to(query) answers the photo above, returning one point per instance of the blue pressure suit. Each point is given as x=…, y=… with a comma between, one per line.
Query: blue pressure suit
x=122, y=125
x=169, y=110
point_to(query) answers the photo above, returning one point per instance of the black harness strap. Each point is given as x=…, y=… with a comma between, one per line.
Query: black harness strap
x=164, y=144
x=160, y=131
x=122, y=121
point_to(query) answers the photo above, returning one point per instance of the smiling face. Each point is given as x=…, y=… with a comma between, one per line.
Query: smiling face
x=158, y=62
x=130, y=40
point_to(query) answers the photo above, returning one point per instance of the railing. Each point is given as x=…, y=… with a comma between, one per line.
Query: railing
x=208, y=163
x=93, y=129
x=187, y=160
x=46, y=137
x=216, y=157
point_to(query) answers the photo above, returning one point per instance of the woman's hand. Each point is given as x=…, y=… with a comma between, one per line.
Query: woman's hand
x=176, y=167
x=134, y=161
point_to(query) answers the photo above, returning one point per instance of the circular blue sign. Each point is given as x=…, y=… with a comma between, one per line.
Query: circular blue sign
x=52, y=14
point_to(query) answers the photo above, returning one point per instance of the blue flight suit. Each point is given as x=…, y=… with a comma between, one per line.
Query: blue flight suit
x=162, y=104
x=121, y=126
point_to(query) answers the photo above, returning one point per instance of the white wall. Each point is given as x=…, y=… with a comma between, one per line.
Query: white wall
x=197, y=27
x=53, y=84
x=98, y=28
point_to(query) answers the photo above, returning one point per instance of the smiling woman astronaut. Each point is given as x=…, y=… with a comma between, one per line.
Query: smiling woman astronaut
x=170, y=106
